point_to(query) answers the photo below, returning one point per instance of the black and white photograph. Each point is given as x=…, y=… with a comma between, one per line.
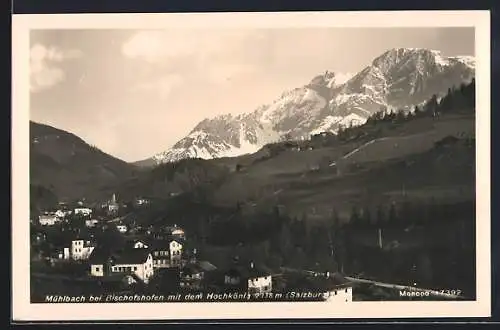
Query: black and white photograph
x=179, y=168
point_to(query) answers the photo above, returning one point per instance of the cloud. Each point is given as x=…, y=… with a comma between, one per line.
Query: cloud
x=155, y=46
x=214, y=56
x=44, y=72
x=163, y=85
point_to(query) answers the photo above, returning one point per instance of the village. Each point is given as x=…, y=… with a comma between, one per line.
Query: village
x=101, y=250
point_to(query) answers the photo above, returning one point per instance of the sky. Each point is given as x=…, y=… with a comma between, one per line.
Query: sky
x=134, y=93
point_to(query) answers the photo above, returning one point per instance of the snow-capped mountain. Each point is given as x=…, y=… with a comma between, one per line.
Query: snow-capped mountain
x=397, y=79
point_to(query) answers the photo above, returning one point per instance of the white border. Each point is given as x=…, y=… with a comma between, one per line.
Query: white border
x=24, y=311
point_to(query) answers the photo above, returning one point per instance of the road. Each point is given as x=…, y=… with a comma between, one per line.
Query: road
x=382, y=284
x=404, y=287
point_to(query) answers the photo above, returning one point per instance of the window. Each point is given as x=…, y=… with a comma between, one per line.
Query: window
x=346, y=290
x=97, y=269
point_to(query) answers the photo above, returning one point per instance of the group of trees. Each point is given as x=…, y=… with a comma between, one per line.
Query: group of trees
x=406, y=213
x=41, y=198
x=301, y=242
x=459, y=99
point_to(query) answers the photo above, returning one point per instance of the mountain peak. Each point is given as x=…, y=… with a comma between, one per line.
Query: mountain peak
x=399, y=78
x=329, y=79
x=416, y=56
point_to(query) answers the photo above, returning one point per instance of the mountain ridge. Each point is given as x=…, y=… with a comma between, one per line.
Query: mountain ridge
x=399, y=78
x=68, y=166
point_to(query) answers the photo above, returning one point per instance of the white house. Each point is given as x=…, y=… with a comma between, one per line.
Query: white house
x=80, y=249
x=250, y=278
x=62, y=213
x=136, y=262
x=91, y=223
x=175, y=248
x=122, y=228
x=141, y=201
x=339, y=294
x=139, y=244
x=48, y=219
x=335, y=288
x=176, y=232
x=165, y=233
x=83, y=211
x=191, y=276
x=166, y=253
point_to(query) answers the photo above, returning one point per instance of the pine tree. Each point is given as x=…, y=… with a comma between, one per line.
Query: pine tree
x=285, y=239
x=380, y=218
x=407, y=212
x=417, y=112
x=400, y=116
x=389, y=116
x=367, y=218
x=335, y=220
x=355, y=218
x=340, y=132
x=446, y=104
x=431, y=106
x=470, y=95
x=392, y=218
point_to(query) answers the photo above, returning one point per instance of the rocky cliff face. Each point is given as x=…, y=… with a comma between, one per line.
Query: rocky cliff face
x=397, y=79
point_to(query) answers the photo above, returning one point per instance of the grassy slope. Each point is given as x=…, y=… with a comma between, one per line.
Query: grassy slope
x=70, y=167
x=287, y=178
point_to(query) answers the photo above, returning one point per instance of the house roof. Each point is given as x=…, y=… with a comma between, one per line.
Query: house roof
x=159, y=243
x=99, y=255
x=206, y=266
x=192, y=268
x=122, y=256
x=131, y=256
x=131, y=242
x=47, y=216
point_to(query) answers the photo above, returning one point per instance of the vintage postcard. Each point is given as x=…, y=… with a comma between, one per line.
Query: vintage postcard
x=251, y=166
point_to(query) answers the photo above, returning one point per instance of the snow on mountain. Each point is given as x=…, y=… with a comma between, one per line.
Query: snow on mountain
x=397, y=79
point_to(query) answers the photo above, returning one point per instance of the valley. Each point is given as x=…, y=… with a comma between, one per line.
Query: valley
x=392, y=198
